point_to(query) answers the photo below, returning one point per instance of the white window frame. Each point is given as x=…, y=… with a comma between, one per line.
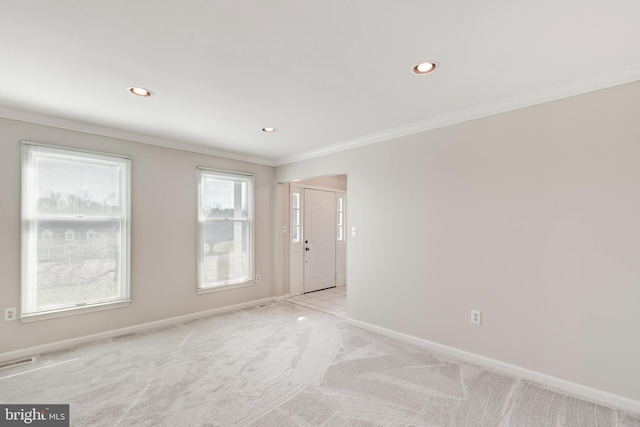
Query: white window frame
x=340, y=216
x=296, y=217
x=29, y=311
x=249, y=280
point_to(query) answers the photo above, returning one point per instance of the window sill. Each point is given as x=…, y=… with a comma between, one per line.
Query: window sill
x=224, y=287
x=46, y=315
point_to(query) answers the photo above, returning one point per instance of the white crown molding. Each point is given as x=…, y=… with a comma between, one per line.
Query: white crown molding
x=94, y=129
x=549, y=381
x=590, y=84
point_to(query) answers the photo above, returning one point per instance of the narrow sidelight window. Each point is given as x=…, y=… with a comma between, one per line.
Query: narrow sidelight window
x=295, y=218
x=340, y=218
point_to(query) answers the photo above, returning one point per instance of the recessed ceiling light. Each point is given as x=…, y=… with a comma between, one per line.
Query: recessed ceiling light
x=425, y=68
x=268, y=129
x=140, y=91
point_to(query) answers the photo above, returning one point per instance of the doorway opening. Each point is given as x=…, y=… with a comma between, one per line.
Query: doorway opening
x=315, y=251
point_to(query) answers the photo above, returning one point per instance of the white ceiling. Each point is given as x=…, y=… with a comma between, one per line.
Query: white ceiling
x=327, y=74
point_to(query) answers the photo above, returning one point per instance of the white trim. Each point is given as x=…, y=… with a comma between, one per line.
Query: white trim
x=577, y=87
x=315, y=187
x=227, y=172
x=589, y=84
x=296, y=271
x=576, y=389
x=219, y=288
x=283, y=297
x=60, y=147
x=60, y=345
x=73, y=311
x=109, y=132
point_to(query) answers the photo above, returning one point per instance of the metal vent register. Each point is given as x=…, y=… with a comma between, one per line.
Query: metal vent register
x=16, y=362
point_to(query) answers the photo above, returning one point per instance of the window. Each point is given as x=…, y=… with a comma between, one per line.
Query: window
x=65, y=192
x=295, y=219
x=91, y=235
x=225, y=217
x=340, y=219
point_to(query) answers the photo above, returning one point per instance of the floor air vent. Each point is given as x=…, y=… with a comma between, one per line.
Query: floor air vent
x=17, y=362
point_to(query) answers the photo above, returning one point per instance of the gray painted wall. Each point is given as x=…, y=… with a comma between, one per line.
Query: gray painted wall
x=531, y=216
x=163, y=273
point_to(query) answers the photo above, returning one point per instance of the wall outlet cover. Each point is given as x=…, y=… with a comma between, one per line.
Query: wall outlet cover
x=10, y=314
x=476, y=317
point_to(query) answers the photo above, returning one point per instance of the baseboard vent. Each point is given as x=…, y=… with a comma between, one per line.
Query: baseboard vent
x=12, y=363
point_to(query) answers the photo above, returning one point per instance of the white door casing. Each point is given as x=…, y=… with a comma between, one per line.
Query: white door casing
x=297, y=246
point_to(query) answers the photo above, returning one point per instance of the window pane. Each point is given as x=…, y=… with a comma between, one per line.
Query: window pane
x=75, y=229
x=296, y=217
x=339, y=218
x=225, y=257
x=340, y=233
x=224, y=198
x=78, y=187
x=296, y=234
x=75, y=271
x=226, y=228
x=339, y=203
x=296, y=200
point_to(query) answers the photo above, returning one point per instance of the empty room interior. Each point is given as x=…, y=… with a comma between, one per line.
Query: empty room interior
x=338, y=213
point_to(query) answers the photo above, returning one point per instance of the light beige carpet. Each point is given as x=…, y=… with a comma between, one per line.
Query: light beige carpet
x=284, y=365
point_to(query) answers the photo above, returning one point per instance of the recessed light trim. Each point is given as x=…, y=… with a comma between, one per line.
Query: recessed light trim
x=425, y=67
x=268, y=129
x=140, y=91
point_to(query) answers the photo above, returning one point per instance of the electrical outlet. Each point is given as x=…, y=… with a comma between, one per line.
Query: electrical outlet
x=354, y=231
x=476, y=317
x=257, y=277
x=10, y=314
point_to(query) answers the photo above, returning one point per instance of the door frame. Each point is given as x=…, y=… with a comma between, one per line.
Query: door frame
x=296, y=248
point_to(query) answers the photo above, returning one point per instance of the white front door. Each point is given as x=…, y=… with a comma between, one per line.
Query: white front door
x=319, y=240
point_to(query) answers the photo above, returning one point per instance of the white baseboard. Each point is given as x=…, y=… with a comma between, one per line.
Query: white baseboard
x=569, y=387
x=60, y=345
x=512, y=370
x=283, y=297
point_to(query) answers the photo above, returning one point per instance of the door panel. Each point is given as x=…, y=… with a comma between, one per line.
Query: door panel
x=319, y=240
